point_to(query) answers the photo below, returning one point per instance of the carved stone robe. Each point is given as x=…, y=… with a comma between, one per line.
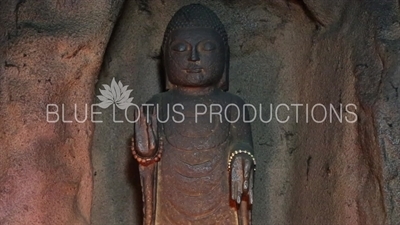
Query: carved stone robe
x=192, y=179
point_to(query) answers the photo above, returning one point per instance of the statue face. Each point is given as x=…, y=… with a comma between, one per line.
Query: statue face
x=194, y=57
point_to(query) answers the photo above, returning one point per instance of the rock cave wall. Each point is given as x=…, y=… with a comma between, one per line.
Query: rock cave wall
x=307, y=52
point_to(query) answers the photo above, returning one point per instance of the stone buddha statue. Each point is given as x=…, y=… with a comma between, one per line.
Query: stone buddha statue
x=196, y=166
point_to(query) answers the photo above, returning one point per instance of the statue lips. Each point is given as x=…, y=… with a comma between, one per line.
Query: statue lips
x=194, y=70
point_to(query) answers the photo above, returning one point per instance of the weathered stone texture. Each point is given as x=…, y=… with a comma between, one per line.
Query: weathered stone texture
x=282, y=52
x=308, y=52
x=51, y=53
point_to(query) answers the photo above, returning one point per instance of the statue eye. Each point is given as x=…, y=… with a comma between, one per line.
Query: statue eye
x=209, y=46
x=180, y=47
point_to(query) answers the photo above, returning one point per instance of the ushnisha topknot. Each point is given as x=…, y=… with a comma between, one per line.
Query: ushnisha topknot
x=195, y=16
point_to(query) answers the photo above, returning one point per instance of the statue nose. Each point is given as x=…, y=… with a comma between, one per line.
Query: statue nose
x=194, y=56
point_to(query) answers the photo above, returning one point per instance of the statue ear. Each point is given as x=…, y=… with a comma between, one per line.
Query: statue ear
x=168, y=84
x=224, y=82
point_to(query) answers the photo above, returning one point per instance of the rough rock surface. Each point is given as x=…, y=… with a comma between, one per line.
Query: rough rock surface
x=306, y=52
x=51, y=53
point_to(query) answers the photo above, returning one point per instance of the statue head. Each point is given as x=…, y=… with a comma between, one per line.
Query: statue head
x=195, y=49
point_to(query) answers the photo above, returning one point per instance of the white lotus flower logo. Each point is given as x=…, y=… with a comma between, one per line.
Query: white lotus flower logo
x=116, y=94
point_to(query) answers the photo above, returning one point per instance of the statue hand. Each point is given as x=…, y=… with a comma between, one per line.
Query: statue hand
x=242, y=173
x=144, y=141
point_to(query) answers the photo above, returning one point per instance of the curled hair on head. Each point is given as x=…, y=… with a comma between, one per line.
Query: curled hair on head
x=195, y=15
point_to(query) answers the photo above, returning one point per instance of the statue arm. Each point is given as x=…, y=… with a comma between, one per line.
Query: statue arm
x=147, y=148
x=241, y=163
x=241, y=138
x=146, y=143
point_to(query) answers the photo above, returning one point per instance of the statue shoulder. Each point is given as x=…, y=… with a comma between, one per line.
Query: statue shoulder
x=234, y=99
x=157, y=98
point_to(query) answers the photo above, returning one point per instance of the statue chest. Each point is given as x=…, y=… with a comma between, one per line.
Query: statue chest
x=190, y=124
x=196, y=132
